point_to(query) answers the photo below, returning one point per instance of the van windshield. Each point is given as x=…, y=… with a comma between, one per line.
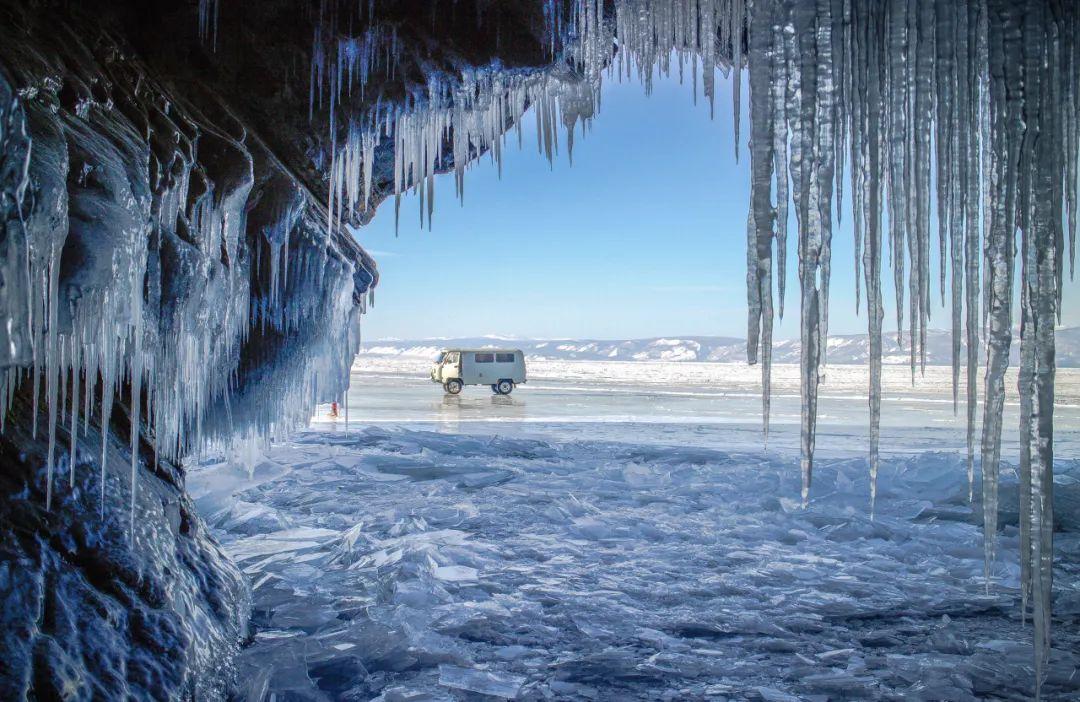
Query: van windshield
x=440, y=357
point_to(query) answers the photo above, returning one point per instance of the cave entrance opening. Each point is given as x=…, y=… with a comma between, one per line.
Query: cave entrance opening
x=634, y=233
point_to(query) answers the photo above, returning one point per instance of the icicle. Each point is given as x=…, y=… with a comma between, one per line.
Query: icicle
x=738, y=10
x=61, y=408
x=867, y=80
x=90, y=371
x=946, y=141
x=841, y=40
x=764, y=57
x=53, y=365
x=107, y=366
x=1006, y=106
x=781, y=91
x=822, y=180
x=921, y=160
x=136, y=383
x=76, y=357
x=208, y=21
x=1041, y=202
x=968, y=87
x=896, y=113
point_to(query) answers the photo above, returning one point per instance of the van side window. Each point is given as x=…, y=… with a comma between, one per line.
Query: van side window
x=451, y=358
x=504, y=358
x=485, y=358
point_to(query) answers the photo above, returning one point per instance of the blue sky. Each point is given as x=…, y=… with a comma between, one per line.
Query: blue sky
x=644, y=235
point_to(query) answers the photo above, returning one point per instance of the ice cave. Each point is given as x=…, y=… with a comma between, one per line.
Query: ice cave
x=181, y=288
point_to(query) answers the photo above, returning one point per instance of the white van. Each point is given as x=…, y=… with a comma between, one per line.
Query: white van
x=502, y=369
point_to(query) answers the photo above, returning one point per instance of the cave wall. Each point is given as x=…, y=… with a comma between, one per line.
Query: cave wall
x=159, y=261
x=93, y=609
x=264, y=57
x=167, y=253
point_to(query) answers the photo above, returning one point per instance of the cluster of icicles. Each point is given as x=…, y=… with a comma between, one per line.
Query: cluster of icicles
x=104, y=339
x=967, y=107
x=470, y=115
x=179, y=362
x=978, y=101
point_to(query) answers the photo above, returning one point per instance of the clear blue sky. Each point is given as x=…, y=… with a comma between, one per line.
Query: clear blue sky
x=644, y=235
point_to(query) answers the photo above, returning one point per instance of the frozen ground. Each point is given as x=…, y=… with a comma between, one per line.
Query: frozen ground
x=615, y=534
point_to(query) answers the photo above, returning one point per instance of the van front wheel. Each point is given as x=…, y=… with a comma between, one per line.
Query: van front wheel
x=504, y=387
x=452, y=386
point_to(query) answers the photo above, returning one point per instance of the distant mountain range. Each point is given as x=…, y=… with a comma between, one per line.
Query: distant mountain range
x=843, y=349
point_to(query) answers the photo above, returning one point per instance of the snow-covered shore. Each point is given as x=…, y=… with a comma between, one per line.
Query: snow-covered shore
x=844, y=349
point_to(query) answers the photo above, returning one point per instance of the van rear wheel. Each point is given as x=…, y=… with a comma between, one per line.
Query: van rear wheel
x=452, y=386
x=504, y=387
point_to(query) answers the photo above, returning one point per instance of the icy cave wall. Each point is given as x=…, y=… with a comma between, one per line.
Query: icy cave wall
x=172, y=250
x=157, y=261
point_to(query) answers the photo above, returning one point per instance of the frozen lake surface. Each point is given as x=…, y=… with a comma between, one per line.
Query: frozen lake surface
x=616, y=532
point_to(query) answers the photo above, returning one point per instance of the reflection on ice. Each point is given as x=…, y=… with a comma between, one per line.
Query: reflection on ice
x=414, y=565
x=455, y=408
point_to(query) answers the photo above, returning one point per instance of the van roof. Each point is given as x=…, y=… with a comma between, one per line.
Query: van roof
x=487, y=350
